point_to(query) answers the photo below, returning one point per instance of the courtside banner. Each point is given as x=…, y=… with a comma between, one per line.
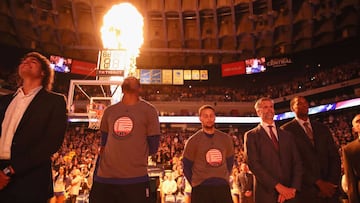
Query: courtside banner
x=229, y=69
x=83, y=68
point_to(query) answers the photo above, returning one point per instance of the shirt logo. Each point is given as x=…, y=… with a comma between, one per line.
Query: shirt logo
x=214, y=157
x=123, y=126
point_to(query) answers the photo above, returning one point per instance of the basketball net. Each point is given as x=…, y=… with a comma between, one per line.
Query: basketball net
x=95, y=112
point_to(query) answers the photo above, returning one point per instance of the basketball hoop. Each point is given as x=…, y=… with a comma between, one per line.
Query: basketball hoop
x=95, y=112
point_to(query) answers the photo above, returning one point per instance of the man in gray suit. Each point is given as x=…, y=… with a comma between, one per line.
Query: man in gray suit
x=320, y=157
x=351, y=154
x=273, y=158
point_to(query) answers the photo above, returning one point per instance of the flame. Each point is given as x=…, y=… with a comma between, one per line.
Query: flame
x=123, y=29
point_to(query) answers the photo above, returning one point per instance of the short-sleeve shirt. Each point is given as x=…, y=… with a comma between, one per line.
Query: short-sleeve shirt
x=126, y=151
x=209, y=155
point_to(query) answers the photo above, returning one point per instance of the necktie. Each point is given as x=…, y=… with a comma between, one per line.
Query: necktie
x=309, y=132
x=273, y=138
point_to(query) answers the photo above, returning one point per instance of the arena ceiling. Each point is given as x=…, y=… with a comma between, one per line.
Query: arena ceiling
x=182, y=32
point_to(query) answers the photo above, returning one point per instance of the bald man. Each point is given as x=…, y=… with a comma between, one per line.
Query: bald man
x=130, y=133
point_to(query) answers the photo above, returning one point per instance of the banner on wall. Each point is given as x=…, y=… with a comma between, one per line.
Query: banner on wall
x=167, y=77
x=204, y=75
x=195, y=74
x=279, y=62
x=145, y=77
x=150, y=76
x=178, y=77
x=83, y=68
x=187, y=74
x=156, y=76
x=230, y=69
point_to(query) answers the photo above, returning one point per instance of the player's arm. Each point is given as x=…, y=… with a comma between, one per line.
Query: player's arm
x=104, y=136
x=153, y=142
x=187, y=169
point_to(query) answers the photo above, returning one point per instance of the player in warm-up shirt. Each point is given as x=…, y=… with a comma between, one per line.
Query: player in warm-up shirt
x=130, y=133
x=208, y=159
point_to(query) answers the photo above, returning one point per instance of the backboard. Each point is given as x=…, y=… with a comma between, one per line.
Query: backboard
x=83, y=93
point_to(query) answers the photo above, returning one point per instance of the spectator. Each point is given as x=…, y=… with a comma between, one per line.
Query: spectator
x=61, y=186
x=234, y=183
x=246, y=181
x=76, y=180
x=169, y=188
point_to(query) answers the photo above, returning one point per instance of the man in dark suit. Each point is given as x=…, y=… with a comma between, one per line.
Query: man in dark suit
x=33, y=122
x=320, y=157
x=273, y=158
x=351, y=154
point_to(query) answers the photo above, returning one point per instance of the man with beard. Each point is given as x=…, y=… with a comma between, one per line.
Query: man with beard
x=272, y=156
x=130, y=133
x=208, y=160
x=320, y=157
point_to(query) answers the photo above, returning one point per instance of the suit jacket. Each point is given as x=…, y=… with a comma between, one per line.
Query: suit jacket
x=270, y=166
x=351, y=154
x=321, y=161
x=38, y=136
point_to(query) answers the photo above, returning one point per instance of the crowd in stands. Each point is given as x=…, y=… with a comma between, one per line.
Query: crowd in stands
x=79, y=152
x=279, y=89
x=77, y=158
x=317, y=78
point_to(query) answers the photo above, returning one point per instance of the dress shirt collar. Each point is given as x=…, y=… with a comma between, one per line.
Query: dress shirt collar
x=301, y=122
x=32, y=92
x=267, y=129
x=266, y=125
